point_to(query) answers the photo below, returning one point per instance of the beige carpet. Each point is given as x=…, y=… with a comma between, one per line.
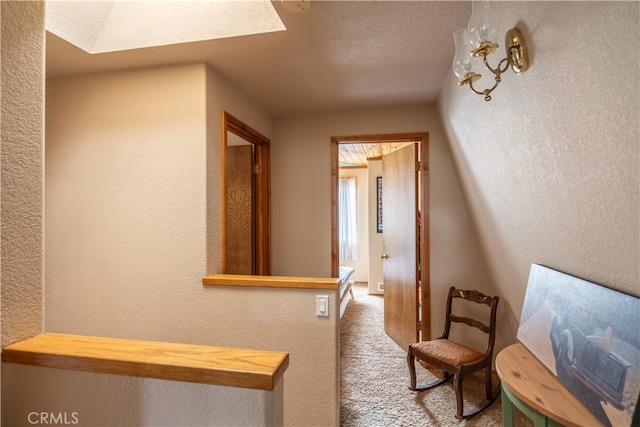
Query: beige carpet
x=375, y=378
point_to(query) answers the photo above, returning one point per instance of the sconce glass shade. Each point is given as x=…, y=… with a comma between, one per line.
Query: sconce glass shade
x=462, y=60
x=483, y=25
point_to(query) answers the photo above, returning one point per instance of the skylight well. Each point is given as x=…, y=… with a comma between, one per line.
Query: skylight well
x=109, y=26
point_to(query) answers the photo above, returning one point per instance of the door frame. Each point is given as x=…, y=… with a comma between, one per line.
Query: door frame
x=422, y=138
x=262, y=202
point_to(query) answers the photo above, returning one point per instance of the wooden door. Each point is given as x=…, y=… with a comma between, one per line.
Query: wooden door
x=240, y=257
x=400, y=243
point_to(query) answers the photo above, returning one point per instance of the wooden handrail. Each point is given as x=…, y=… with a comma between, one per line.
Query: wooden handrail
x=272, y=281
x=233, y=367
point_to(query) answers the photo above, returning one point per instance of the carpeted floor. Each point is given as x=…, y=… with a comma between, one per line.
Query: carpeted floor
x=375, y=378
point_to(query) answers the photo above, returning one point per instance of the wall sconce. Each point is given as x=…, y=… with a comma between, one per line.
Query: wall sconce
x=478, y=40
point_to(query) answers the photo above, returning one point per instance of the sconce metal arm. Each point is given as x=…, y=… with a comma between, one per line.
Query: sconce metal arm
x=517, y=59
x=496, y=71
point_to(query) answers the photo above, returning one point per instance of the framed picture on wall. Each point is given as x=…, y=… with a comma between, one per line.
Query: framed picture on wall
x=379, y=202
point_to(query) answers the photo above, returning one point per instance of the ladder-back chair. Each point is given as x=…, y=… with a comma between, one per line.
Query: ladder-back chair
x=457, y=360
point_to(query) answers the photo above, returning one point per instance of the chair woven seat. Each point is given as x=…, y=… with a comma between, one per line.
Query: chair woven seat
x=446, y=351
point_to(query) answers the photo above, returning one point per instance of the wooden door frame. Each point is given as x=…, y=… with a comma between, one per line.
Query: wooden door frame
x=422, y=138
x=263, y=192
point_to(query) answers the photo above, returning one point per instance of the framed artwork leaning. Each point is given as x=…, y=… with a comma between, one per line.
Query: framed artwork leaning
x=589, y=337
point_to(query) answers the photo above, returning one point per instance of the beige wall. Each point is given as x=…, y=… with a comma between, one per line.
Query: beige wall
x=132, y=226
x=22, y=138
x=550, y=166
x=71, y=397
x=301, y=196
x=125, y=201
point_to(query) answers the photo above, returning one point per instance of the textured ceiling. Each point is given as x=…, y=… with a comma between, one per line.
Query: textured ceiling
x=336, y=56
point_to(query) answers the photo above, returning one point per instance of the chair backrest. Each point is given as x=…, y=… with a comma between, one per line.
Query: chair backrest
x=473, y=297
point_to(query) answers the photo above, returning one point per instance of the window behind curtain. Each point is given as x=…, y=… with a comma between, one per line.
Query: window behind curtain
x=348, y=230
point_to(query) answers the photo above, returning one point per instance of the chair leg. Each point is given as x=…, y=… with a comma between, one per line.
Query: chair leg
x=412, y=368
x=412, y=374
x=457, y=386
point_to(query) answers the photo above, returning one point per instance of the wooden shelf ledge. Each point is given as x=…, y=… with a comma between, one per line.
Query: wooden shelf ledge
x=233, y=367
x=272, y=281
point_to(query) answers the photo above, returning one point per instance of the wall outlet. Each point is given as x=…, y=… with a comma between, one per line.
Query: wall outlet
x=380, y=286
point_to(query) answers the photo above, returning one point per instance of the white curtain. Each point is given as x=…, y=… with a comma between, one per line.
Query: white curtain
x=348, y=230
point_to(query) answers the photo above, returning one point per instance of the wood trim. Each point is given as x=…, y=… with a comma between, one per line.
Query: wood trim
x=233, y=367
x=355, y=166
x=335, y=250
x=263, y=191
x=423, y=143
x=272, y=281
x=263, y=214
x=243, y=130
x=424, y=239
x=391, y=137
x=223, y=192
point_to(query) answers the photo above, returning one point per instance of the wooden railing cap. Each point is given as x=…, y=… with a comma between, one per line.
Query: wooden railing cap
x=233, y=367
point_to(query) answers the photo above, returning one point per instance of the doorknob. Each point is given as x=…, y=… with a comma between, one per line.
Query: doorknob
x=384, y=256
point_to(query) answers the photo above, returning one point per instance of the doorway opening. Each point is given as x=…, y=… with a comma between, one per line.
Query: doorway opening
x=418, y=323
x=246, y=212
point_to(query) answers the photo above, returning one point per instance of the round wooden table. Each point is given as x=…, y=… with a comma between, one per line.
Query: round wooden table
x=528, y=385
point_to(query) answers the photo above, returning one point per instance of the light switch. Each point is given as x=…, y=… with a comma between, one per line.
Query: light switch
x=322, y=305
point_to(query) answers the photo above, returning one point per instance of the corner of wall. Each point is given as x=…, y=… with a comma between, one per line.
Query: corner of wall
x=21, y=158
x=214, y=171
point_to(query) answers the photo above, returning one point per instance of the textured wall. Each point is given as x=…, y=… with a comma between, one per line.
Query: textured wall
x=550, y=166
x=125, y=200
x=21, y=134
x=132, y=225
x=71, y=396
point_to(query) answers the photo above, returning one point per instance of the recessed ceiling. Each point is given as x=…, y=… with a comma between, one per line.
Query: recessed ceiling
x=110, y=26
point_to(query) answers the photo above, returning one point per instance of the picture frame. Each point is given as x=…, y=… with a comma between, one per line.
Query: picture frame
x=379, y=203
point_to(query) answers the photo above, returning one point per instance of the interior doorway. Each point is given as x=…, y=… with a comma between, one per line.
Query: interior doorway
x=246, y=212
x=420, y=298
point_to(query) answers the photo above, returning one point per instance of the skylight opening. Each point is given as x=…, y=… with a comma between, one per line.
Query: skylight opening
x=110, y=26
